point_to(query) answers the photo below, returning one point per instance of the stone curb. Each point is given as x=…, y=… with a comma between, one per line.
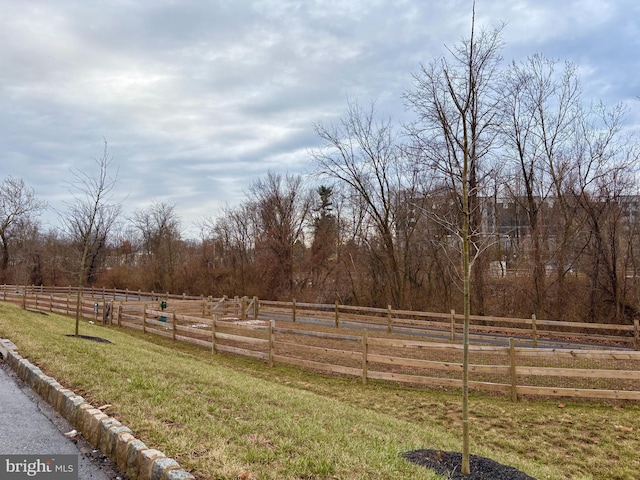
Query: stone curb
x=106, y=433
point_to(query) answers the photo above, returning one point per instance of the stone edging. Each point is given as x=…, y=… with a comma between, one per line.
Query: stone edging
x=116, y=441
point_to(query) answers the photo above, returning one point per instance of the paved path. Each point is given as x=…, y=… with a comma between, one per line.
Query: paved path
x=28, y=425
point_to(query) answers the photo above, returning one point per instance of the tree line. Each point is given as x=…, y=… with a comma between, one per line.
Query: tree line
x=549, y=178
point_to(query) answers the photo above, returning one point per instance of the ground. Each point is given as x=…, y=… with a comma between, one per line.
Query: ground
x=448, y=464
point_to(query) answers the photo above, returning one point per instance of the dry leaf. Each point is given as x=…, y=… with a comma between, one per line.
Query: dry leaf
x=622, y=427
x=105, y=406
x=561, y=405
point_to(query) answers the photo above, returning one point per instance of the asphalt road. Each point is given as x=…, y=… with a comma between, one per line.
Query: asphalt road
x=442, y=335
x=28, y=425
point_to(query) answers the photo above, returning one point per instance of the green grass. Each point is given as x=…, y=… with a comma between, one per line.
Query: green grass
x=221, y=415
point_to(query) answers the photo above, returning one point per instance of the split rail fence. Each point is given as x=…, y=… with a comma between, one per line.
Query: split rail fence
x=371, y=344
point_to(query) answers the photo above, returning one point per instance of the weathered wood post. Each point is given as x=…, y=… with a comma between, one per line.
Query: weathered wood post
x=389, y=325
x=293, y=312
x=337, y=316
x=213, y=333
x=636, y=333
x=453, y=326
x=365, y=353
x=255, y=307
x=144, y=318
x=272, y=338
x=512, y=370
x=534, y=330
x=243, y=308
x=173, y=321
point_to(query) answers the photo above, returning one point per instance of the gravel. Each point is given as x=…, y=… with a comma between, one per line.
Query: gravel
x=448, y=464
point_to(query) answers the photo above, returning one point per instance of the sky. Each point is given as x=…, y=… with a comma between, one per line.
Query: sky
x=197, y=99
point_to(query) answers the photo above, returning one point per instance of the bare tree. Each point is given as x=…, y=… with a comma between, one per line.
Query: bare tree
x=232, y=240
x=541, y=113
x=604, y=182
x=89, y=218
x=158, y=227
x=282, y=207
x=18, y=207
x=456, y=104
x=362, y=152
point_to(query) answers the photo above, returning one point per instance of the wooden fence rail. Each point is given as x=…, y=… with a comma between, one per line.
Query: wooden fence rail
x=224, y=326
x=393, y=320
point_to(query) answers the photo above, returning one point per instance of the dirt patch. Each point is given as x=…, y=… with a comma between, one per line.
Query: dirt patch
x=448, y=464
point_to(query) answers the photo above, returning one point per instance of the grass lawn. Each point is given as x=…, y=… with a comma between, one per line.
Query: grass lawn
x=220, y=416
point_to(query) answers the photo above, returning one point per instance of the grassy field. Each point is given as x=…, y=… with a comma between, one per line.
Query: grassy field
x=221, y=416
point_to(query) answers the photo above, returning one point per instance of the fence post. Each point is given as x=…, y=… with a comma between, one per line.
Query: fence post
x=24, y=298
x=144, y=318
x=636, y=332
x=119, y=319
x=294, y=311
x=337, y=316
x=173, y=330
x=389, y=327
x=51, y=302
x=68, y=303
x=36, y=300
x=453, y=326
x=272, y=325
x=512, y=370
x=213, y=333
x=365, y=352
x=243, y=308
x=126, y=295
x=255, y=307
x=534, y=329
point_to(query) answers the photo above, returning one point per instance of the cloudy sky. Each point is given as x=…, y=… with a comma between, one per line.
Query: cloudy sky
x=197, y=98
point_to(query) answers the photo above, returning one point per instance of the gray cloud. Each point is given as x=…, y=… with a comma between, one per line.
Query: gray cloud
x=198, y=98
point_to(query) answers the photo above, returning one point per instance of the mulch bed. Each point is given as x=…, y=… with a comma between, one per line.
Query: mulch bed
x=89, y=337
x=448, y=464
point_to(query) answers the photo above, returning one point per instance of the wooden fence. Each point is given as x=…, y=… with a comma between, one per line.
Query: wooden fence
x=483, y=328
x=242, y=327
